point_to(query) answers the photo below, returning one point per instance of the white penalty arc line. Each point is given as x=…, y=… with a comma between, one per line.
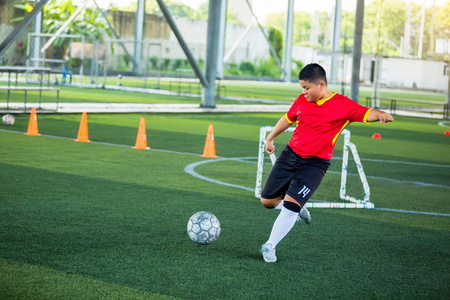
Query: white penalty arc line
x=190, y=170
x=444, y=124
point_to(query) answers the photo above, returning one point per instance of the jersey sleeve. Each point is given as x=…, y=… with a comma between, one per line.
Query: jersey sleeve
x=292, y=115
x=357, y=112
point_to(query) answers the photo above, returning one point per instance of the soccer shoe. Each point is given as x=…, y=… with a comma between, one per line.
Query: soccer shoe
x=304, y=216
x=268, y=253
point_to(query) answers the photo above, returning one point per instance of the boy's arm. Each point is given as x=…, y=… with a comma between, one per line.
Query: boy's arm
x=379, y=115
x=281, y=126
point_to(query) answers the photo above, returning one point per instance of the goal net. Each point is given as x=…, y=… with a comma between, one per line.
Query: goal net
x=343, y=186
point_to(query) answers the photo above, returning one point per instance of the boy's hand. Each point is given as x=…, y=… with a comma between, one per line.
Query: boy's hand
x=385, y=117
x=270, y=148
x=379, y=115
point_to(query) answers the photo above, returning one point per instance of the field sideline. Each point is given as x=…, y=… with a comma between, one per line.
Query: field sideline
x=103, y=220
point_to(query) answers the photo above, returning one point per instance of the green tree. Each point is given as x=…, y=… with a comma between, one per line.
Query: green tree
x=178, y=9
x=347, y=31
x=442, y=25
x=384, y=25
x=324, y=28
x=175, y=7
x=89, y=23
x=276, y=40
x=301, y=26
x=276, y=20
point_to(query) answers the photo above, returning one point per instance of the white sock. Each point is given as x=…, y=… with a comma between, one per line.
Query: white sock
x=283, y=224
x=279, y=206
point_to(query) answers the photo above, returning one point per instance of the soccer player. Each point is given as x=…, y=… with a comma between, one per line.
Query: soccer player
x=320, y=116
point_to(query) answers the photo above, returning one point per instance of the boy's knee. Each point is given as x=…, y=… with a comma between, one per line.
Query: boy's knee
x=270, y=203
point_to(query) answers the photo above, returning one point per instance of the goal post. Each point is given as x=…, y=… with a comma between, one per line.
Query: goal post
x=339, y=188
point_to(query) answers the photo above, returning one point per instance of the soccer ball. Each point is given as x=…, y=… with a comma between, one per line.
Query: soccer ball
x=203, y=228
x=8, y=119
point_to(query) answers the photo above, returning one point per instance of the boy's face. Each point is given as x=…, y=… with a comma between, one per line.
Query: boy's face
x=313, y=92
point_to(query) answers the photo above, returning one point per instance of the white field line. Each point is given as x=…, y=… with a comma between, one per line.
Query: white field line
x=190, y=170
x=444, y=124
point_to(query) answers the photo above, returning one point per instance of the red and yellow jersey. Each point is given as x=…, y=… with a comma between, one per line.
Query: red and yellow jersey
x=320, y=124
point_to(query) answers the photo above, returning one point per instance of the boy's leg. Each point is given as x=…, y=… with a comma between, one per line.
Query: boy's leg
x=277, y=204
x=285, y=221
x=301, y=187
x=278, y=181
x=281, y=227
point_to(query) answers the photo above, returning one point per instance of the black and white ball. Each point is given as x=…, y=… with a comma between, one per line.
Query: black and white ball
x=8, y=120
x=203, y=228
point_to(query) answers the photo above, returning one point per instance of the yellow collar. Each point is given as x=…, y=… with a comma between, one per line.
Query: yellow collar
x=320, y=102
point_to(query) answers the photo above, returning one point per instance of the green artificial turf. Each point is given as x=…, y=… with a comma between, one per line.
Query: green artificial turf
x=252, y=90
x=104, y=220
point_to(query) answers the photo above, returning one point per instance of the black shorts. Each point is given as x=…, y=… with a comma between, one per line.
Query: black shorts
x=295, y=176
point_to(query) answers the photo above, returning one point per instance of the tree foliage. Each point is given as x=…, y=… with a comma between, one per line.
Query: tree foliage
x=384, y=25
x=442, y=24
x=178, y=9
x=276, y=40
x=89, y=23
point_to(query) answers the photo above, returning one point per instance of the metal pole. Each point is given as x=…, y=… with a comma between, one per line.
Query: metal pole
x=238, y=41
x=356, y=64
x=82, y=61
x=22, y=25
x=448, y=87
x=64, y=26
x=336, y=41
x=138, y=35
x=116, y=35
x=212, y=52
x=37, y=26
x=272, y=50
x=432, y=27
x=221, y=46
x=182, y=43
x=288, y=43
x=314, y=32
x=422, y=29
x=105, y=59
x=407, y=34
x=376, y=82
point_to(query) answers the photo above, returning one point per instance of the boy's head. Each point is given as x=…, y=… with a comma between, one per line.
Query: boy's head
x=313, y=73
x=313, y=80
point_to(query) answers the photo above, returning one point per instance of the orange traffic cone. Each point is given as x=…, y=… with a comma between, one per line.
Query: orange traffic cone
x=447, y=132
x=210, y=148
x=32, y=124
x=141, y=140
x=376, y=136
x=83, y=135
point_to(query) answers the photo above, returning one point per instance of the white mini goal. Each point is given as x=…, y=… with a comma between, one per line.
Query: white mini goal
x=336, y=189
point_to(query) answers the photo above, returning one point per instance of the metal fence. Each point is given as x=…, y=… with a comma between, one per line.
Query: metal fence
x=392, y=83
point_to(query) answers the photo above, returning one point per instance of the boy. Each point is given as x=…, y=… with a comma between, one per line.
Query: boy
x=321, y=115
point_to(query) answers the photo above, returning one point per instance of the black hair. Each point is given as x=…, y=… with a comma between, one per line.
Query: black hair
x=313, y=73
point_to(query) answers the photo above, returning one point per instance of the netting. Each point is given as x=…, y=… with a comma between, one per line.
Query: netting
x=399, y=36
x=344, y=184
